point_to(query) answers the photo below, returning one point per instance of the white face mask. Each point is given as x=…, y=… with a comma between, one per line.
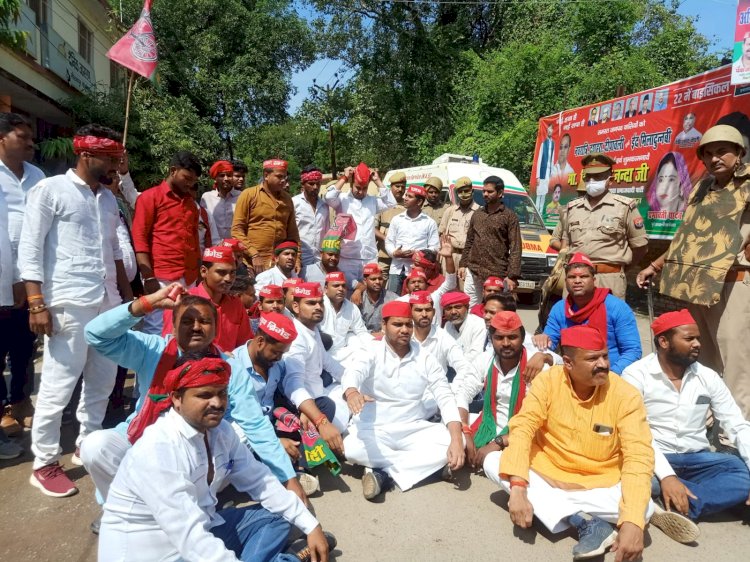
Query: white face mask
x=594, y=188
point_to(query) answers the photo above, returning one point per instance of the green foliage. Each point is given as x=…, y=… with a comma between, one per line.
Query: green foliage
x=10, y=12
x=57, y=148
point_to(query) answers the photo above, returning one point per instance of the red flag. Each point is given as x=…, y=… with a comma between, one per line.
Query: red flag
x=136, y=50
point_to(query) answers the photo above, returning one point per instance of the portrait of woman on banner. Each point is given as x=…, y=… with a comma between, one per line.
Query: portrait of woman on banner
x=670, y=186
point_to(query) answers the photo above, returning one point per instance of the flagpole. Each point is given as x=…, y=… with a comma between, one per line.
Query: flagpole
x=127, y=108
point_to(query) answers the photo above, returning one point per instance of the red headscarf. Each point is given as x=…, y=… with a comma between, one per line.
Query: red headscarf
x=97, y=145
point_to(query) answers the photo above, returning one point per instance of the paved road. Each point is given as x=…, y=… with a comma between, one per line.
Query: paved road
x=439, y=521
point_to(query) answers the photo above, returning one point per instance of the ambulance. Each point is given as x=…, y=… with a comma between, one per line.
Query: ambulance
x=537, y=256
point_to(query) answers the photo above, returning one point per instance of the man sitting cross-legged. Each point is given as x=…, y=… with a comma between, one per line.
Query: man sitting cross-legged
x=678, y=391
x=162, y=502
x=374, y=298
x=391, y=435
x=580, y=455
x=342, y=321
x=498, y=371
x=468, y=330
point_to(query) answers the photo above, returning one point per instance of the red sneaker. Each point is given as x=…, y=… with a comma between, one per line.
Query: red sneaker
x=51, y=480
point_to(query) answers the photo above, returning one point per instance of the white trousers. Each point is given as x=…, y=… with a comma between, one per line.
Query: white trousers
x=153, y=322
x=472, y=288
x=101, y=453
x=408, y=452
x=553, y=506
x=542, y=189
x=342, y=415
x=67, y=357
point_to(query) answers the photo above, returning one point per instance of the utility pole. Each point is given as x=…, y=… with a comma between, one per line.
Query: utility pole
x=324, y=95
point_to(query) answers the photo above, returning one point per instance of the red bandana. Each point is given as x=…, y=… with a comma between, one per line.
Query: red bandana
x=97, y=145
x=315, y=175
x=595, y=311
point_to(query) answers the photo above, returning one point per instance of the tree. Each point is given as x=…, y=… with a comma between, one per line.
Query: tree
x=10, y=13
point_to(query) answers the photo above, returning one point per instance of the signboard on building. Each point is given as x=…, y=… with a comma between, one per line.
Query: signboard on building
x=652, y=136
x=69, y=65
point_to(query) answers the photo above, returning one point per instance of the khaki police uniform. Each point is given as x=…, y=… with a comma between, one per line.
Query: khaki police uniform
x=382, y=222
x=455, y=224
x=435, y=213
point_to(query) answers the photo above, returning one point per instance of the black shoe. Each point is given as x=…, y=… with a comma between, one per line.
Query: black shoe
x=374, y=483
x=96, y=524
x=304, y=553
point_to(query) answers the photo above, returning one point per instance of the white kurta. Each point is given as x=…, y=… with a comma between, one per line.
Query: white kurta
x=161, y=504
x=220, y=212
x=471, y=336
x=273, y=276
x=678, y=418
x=392, y=432
x=312, y=225
x=447, y=285
x=347, y=329
x=447, y=352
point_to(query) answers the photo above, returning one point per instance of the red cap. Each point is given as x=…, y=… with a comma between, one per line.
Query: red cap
x=417, y=190
x=335, y=277
x=362, y=175
x=308, y=291
x=420, y=297
x=275, y=164
x=670, y=320
x=583, y=336
x=371, y=269
x=506, y=321
x=233, y=243
x=291, y=282
x=493, y=282
x=219, y=254
x=398, y=309
x=417, y=274
x=578, y=257
x=222, y=166
x=278, y=326
x=286, y=245
x=454, y=297
x=271, y=292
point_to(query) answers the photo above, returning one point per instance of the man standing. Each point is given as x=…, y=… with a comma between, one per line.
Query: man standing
x=580, y=455
x=71, y=262
x=239, y=172
x=383, y=219
x=165, y=232
x=285, y=258
x=467, y=329
x=434, y=207
x=409, y=231
x=544, y=168
x=312, y=215
x=220, y=202
x=493, y=243
x=562, y=168
x=606, y=227
x=218, y=271
x=375, y=296
x=678, y=392
x=162, y=503
x=264, y=216
x=588, y=304
x=363, y=208
x=392, y=437
x=455, y=221
x=17, y=177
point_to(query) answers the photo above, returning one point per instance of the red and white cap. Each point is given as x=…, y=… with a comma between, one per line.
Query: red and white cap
x=493, y=282
x=271, y=292
x=275, y=164
x=278, y=326
x=291, y=282
x=335, y=277
x=579, y=258
x=417, y=190
x=219, y=254
x=420, y=297
x=308, y=291
x=371, y=269
x=417, y=273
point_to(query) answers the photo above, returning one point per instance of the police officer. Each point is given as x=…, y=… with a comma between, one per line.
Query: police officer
x=455, y=221
x=434, y=206
x=606, y=227
x=707, y=264
x=383, y=220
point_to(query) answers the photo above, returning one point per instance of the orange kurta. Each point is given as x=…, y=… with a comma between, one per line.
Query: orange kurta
x=554, y=435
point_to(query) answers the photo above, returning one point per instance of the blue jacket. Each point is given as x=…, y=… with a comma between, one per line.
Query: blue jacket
x=623, y=339
x=111, y=335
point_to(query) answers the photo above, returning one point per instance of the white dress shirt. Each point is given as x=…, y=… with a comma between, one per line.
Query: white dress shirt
x=346, y=327
x=220, y=211
x=447, y=285
x=471, y=336
x=15, y=191
x=312, y=225
x=448, y=353
x=160, y=505
x=273, y=276
x=307, y=350
x=418, y=233
x=69, y=242
x=362, y=247
x=678, y=418
x=398, y=386
x=6, y=257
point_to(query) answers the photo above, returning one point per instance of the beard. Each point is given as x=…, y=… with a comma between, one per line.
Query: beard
x=679, y=359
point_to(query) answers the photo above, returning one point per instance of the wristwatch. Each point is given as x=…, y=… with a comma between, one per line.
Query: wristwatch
x=499, y=442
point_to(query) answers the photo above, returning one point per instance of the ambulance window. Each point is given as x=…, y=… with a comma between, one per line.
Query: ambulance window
x=522, y=206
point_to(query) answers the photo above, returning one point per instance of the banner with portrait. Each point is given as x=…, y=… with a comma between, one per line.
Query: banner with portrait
x=652, y=136
x=741, y=52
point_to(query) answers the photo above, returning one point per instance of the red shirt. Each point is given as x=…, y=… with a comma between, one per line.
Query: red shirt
x=478, y=310
x=233, y=327
x=165, y=226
